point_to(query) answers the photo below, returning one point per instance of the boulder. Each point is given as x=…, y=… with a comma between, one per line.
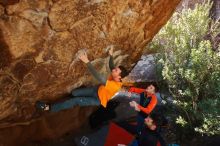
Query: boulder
x=40, y=39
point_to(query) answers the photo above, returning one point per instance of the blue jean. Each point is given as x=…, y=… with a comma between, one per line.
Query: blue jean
x=82, y=97
x=85, y=97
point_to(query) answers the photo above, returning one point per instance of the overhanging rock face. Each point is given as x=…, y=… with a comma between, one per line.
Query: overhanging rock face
x=39, y=40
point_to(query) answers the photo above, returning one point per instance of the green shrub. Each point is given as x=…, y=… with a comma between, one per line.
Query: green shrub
x=191, y=67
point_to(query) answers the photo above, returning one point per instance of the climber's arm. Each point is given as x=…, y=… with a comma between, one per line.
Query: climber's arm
x=111, y=61
x=83, y=57
x=95, y=73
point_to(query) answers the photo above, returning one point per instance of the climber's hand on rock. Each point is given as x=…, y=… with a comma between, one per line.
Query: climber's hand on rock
x=111, y=50
x=83, y=57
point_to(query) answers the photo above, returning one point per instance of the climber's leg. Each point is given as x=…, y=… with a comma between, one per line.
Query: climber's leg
x=82, y=97
x=85, y=92
x=127, y=95
x=71, y=102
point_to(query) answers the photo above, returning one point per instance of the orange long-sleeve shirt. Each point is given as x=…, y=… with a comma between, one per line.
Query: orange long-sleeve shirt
x=107, y=91
x=151, y=105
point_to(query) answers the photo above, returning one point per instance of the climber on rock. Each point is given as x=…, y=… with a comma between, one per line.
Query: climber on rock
x=99, y=94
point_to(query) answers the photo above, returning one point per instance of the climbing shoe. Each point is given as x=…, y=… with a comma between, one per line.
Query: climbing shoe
x=42, y=106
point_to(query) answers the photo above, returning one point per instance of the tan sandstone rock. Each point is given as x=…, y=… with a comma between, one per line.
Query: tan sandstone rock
x=1, y=10
x=39, y=40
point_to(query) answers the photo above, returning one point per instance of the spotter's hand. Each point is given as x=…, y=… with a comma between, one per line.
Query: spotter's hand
x=132, y=103
x=135, y=105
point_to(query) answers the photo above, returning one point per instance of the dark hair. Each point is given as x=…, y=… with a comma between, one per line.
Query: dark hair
x=124, y=71
x=153, y=84
x=158, y=119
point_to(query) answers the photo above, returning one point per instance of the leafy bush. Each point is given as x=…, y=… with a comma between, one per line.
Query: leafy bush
x=191, y=67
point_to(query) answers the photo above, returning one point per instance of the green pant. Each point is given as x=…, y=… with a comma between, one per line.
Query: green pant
x=82, y=97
